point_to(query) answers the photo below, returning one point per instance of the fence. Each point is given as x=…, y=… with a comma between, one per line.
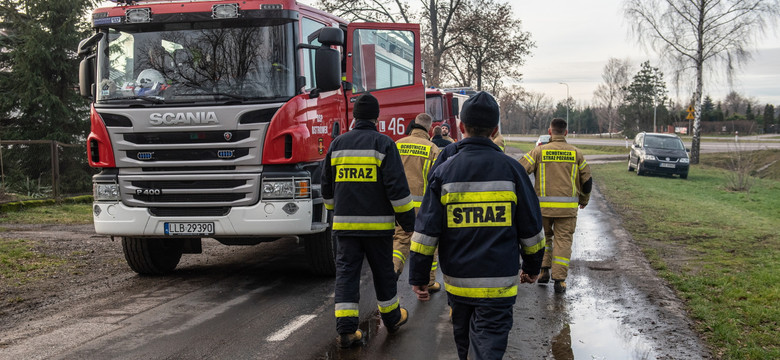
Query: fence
x=38, y=169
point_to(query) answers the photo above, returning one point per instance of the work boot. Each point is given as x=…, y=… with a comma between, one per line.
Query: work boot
x=404, y=318
x=432, y=288
x=560, y=286
x=544, y=276
x=350, y=340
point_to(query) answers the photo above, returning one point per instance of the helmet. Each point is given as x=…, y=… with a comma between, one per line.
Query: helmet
x=148, y=78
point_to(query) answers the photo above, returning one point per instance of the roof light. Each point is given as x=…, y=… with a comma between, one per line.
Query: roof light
x=142, y=15
x=271, y=7
x=224, y=11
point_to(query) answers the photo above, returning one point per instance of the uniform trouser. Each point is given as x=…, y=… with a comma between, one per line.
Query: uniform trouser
x=349, y=262
x=402, y=241
x=559, y=232
x=481, y=332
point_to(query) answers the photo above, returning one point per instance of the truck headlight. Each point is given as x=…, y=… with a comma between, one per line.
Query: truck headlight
x=286, y=189
x=649, y=157
x=684, y=160
x=105, y=192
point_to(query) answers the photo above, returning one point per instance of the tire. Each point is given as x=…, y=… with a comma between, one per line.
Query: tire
x=152, y=256
x=630, y=168
x=321, y=252
x=639, y=170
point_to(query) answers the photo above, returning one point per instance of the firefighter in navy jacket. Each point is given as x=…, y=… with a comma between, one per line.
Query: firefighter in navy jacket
x=364, y=184
x=481, y=210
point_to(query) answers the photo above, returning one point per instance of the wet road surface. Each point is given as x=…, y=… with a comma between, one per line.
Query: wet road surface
x=261, y=303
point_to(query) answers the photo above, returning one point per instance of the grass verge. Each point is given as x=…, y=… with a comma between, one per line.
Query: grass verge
x=71, y=214
x=20, y=263
x=720, y=250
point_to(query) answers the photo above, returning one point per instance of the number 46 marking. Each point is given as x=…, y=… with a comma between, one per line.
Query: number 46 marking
x=396, y=127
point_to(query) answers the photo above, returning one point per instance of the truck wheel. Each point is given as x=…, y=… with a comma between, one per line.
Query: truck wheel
x=152, y=256
x=321, y=252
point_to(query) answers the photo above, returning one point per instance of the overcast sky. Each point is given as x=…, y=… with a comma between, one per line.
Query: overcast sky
x=575, y=38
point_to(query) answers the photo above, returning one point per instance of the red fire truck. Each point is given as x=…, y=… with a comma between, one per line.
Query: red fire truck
x=210, y=119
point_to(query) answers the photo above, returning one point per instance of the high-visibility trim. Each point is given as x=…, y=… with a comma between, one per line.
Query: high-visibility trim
x=573, y=180
x=357, y=157
x=533, y=244
x=422, y=249
x=496, y=287
x=399, y=255
x=561, y=260
x=434, y=265
x=363, y=222
x=411, y=149
x=347, y=310
x=423, y=239
x=502, y=148
x=329, y=203
x=477, y=186
x=533, y=249
x=417, y=200
x=583, y=165
x=485, y=196
x=560, y=199
x=402, y=205
x=559, y=155
x=425, y=170
x=558, y=205
x=529, y=159
x=542, y=180
x=389, y=305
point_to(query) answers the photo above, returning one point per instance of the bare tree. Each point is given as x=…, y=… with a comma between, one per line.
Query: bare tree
x=690, y=34
x=511, y=111
x=370, y=10
x=492, y=45
x=439, y=22
x=610, y=94
x=537, y=108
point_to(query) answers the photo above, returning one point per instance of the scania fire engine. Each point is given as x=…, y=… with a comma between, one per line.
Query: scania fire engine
x=210, y=119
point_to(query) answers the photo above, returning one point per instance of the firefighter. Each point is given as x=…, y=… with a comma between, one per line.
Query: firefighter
x=562, y=183
x=437, y=139
x=364, y=184
x=481, y=212
x=498, y=139
x=417, y=154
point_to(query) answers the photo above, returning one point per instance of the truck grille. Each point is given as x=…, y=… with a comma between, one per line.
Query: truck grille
x=190, y=190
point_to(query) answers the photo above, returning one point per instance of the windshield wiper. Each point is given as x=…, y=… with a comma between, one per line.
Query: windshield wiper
x=232, y=96
x=151, y=99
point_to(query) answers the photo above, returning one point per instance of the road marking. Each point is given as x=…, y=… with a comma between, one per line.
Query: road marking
x=286, y=331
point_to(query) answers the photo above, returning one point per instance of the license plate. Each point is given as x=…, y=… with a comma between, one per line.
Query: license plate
x=667, y=165
x=189, y=228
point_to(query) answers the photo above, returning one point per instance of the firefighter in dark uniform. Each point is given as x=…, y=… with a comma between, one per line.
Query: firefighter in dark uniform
x=481, y=211
x=364, y=184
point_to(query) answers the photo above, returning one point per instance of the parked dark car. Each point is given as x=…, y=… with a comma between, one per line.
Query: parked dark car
x=658, y=154
x=543, y=139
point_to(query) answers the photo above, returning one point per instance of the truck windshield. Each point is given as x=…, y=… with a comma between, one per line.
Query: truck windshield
x=197, y=65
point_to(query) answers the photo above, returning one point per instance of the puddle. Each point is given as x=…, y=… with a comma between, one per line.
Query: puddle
x=370, y=329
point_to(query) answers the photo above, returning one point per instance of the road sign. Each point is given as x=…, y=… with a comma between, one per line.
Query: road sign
x=691, y=110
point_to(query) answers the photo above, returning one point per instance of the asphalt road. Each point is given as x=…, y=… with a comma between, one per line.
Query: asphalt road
x=709, y=146
x=261, y=302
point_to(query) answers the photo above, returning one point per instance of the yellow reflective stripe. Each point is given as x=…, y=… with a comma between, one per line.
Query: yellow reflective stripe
x=528, y=250
x=417, y=203
x=561, y=260
x=341, y=222
x=583, y=165
x=347, y=310
x=363, y=226
x=557, y=205
x=529, y=158
x=398, y=254
x=574, y=180
x=388, y=306
x=329, y=203
x=404, y=208
x=422, y=249
x=482, y=292
x=355, y=160
x=542, y=180
x=502, y=148
x=434, y=266
x=483, y=196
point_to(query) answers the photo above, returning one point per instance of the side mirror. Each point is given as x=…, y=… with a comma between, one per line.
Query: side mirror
x=330, y=36
x=687, y=150
x=455, y=107
x=87, y=76
x=328, y=69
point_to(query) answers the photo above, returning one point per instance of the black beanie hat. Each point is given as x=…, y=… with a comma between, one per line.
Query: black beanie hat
x=480, y=110
x=366, y=107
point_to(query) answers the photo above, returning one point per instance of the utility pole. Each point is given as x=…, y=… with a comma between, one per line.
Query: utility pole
x=567, y=103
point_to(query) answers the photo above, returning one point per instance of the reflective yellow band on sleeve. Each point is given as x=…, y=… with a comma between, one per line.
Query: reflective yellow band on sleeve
x=422, y=249
x=399, y=255
x=528, y=250
x=528, y=158
x=388, y=306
